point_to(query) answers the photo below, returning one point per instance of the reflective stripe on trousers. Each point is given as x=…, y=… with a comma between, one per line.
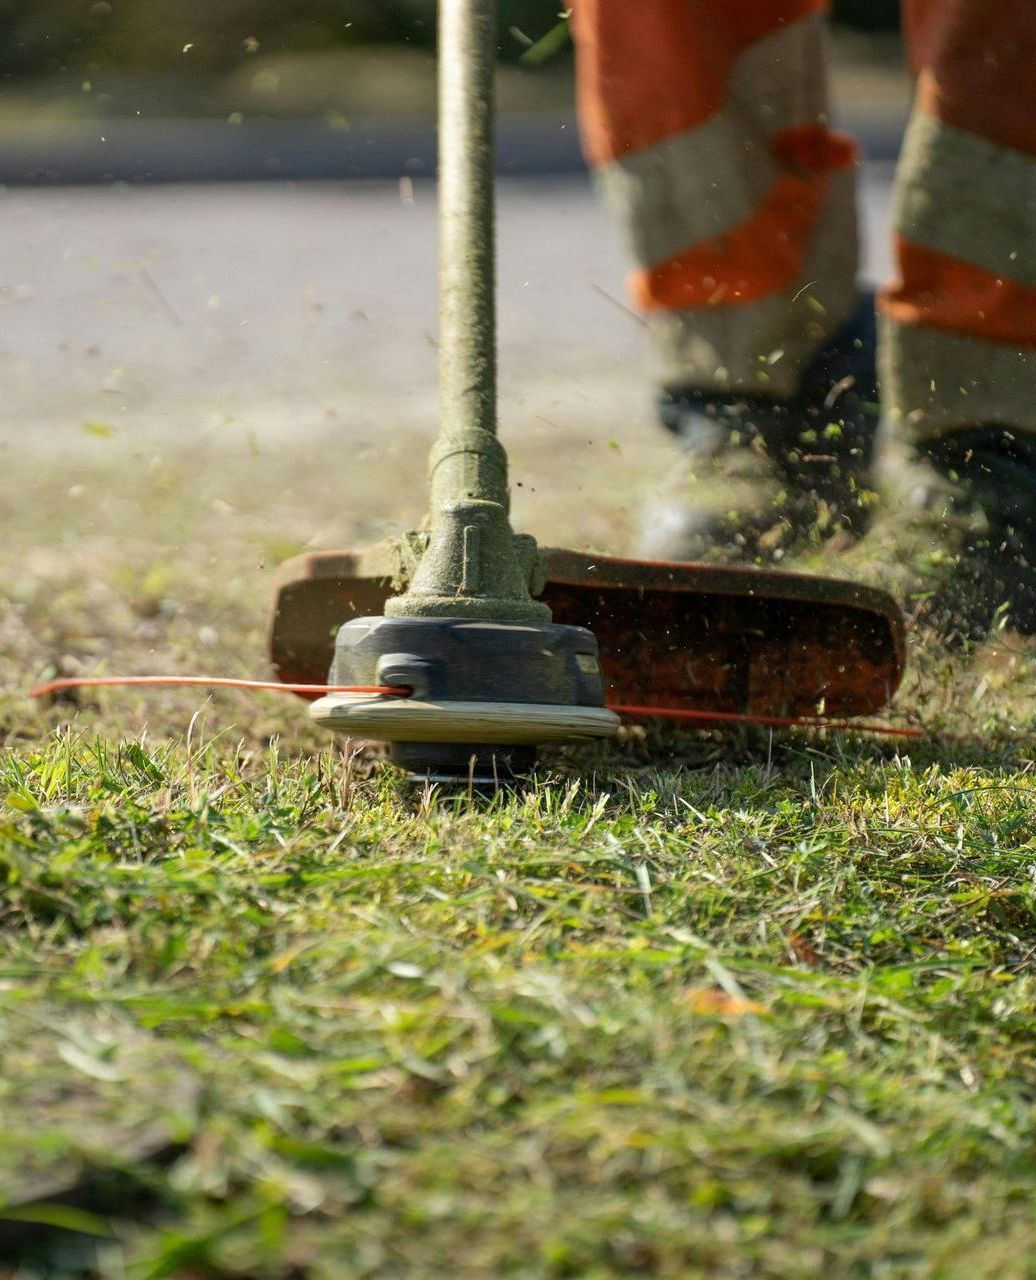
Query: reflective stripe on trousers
x=706, y=124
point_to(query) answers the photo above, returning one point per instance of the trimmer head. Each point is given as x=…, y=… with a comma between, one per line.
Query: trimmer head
x=694, y=636
x=482, y=695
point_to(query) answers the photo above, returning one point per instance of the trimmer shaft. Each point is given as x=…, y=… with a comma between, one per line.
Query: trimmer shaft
x=490, y=675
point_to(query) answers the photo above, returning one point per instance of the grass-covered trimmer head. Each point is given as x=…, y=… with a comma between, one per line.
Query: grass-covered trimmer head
x=495, y=639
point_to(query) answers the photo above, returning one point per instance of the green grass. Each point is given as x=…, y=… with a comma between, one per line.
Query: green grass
x=717, y=1007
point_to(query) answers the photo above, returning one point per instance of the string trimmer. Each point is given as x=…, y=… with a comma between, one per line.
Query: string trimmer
x=491, y=639
x=465, y=646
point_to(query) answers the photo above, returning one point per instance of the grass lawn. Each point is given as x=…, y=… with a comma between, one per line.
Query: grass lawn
x=737, y=1006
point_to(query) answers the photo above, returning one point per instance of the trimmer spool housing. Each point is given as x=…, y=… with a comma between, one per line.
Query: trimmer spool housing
x=482, y=693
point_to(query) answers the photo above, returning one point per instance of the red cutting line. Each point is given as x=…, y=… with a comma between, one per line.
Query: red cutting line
x=215, y=682
x=399, y=691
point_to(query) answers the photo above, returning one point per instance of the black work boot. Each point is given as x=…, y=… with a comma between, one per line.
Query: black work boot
x=770, y=477
x=955, y=537
x=991, y=475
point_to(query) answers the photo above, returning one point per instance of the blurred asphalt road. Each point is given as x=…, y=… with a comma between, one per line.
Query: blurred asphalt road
x=47, y=152
x=188, y=311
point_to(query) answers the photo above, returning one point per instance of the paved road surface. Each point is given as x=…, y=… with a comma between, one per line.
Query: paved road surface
x=284, y=309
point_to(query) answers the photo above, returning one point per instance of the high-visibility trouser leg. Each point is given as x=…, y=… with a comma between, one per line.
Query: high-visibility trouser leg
x=706, y=124
x=960, y=321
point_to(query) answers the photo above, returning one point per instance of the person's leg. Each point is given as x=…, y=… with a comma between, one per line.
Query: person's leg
x=961, y=318
x=959, y=361
x=705, y=122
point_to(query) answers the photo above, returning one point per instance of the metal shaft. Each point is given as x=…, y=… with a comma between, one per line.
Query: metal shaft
x=473, y=566
x=467, y=241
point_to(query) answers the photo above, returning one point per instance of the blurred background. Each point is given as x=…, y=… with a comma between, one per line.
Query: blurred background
x=318, y=89
x=101, y=59
x=124, y=294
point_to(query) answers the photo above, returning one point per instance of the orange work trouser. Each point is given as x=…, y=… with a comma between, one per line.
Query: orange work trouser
x=706, y=122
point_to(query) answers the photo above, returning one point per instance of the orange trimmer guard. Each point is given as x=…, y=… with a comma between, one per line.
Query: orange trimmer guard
x=673, y=635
